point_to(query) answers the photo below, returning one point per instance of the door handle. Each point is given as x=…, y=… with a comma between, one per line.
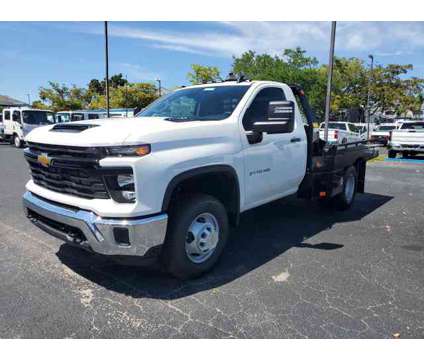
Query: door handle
x=293, y=140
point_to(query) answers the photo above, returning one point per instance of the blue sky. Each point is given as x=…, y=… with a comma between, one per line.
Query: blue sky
x=32, y=53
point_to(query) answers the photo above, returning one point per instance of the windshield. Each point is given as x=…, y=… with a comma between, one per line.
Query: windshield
x=332, y=125
x=386, y=128
x=416, y=126
x=203, y=103
x=38, y=117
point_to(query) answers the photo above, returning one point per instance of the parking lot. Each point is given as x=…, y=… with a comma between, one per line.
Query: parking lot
x=290, y=270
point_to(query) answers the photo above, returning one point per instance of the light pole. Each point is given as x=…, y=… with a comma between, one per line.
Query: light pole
x=329, y=79
x=368, y=112
x=159, y=87
x=107, y=70
x=126, y=96
x=29, y=99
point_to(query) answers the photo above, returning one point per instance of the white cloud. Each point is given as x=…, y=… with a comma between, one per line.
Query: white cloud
x=234, y=38
x=136, y=72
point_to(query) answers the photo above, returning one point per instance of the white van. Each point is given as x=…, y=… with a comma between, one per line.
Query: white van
x=18, y=122
x=76, y=115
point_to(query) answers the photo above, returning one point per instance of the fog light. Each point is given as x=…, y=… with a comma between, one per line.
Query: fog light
x=128, y=195
x=125, y=180
x=121, y=187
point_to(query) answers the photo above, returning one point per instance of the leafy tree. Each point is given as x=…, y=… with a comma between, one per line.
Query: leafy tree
x=203, y=74
x=135, y=95
x=96, y=87
x=117, y=80
x=389, y=88
x=60, y=97
x=293, y=67
x=38, y=104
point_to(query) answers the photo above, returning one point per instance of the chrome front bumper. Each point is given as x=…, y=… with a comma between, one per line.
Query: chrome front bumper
x=134, y=237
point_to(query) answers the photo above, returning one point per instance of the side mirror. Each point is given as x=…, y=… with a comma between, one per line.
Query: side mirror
x=280, y=118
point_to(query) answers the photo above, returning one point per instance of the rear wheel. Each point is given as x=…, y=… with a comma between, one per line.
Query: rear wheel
x=391, y=154
x=345, y=199
x=196, y=236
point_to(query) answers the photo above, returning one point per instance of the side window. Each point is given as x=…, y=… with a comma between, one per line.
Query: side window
x=7, y=115
x=77, y=116
x=16, y=116
x=93, y=116
x=258, y=109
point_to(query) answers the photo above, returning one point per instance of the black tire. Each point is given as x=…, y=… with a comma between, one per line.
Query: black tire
x=181, y=216
x=17, y=142
x=391, y=154
x=345, y=199
x=406, y=155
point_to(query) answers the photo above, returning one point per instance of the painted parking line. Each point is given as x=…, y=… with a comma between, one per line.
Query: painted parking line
x=404, y=161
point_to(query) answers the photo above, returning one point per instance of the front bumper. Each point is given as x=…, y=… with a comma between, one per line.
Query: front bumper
x=107, y=236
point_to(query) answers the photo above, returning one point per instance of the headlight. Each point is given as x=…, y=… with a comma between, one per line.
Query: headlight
x=121, y=187
x=133, y=150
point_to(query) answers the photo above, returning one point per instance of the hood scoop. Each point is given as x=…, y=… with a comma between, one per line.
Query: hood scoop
x=72, y=128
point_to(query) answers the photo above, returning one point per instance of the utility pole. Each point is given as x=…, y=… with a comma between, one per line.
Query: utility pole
x=29, y=99
x=107, y=70
x=159, y=87
x=126, y=96
x=329, y=78
x=368, y=111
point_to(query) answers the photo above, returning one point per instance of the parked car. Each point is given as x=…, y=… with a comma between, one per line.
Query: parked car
x=77, y=115
x=19, y=122
x=408, y=140
x=381, y=134
x=341, y=132
x=170, y=181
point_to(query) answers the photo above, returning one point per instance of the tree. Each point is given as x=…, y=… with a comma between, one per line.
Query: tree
x=60, y=97
x=203, y=74
x=134, y=95
x=96, y=87
x=117, y=80
x=388, y=85
x=292, y=67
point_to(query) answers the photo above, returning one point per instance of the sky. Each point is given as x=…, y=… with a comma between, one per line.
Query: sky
x=33, y=53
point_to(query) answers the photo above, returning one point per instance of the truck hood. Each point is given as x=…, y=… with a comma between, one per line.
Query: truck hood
x=113, y=132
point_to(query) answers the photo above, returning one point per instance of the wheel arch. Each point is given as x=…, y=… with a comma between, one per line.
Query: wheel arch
x=225, y=187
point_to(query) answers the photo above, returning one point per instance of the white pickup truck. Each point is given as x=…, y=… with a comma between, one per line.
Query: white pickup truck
x=169, y=182
x=340, y=132
x=381, y=134
x=407, y=140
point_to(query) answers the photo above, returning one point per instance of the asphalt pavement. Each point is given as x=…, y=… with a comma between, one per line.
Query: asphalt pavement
x=291, y=270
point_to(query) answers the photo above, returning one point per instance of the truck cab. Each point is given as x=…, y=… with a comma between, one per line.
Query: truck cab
x=170, y=182
x=19, y=122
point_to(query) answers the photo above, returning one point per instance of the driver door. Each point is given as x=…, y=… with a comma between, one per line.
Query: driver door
x=274, y=163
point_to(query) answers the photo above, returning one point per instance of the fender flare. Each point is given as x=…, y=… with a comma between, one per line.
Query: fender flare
x=204, y=170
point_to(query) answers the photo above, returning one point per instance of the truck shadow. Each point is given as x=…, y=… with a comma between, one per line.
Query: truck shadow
x=264, y=234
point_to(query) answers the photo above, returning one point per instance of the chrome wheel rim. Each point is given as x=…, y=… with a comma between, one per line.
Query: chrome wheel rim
x=202, y=238
x=17, y=141
x=350, y=188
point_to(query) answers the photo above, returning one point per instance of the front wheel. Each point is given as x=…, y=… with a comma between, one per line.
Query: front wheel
x=345, y=199
x=196, y=236
x=17, y=141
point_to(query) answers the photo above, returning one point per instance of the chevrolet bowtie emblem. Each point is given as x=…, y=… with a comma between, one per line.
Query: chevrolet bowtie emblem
x=44, y=160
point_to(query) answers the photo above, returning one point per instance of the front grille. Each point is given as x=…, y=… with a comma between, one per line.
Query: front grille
x=72, y=170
